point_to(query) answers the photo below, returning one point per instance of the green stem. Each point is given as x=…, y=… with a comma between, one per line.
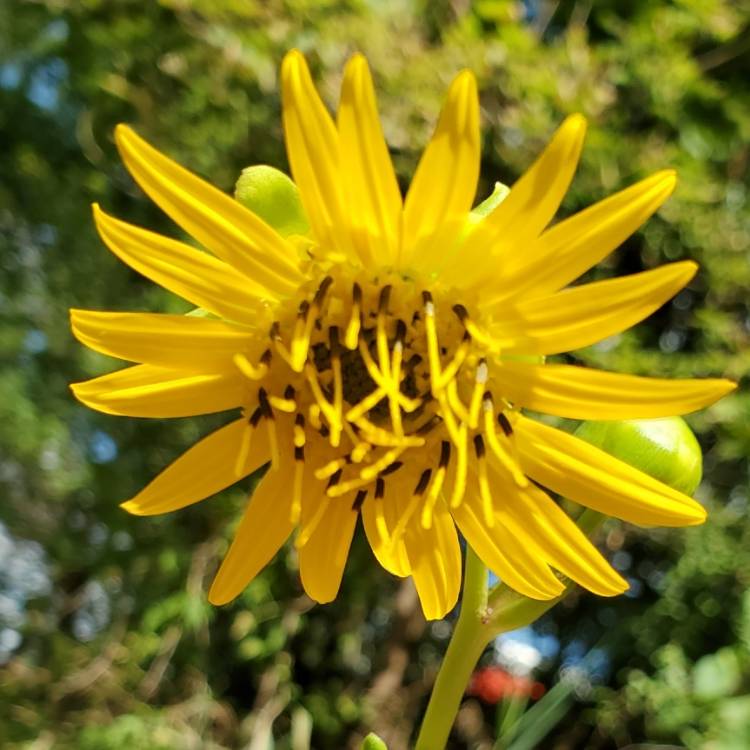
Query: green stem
x=470, y=636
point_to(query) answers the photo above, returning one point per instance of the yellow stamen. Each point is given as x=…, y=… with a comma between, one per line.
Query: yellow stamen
x=455, y=364
x=372, y=470
x=351, y=337
x=367, y=403
x=381, y=337
x=497, y=448
x=414, y=501
x=359, y=452
x=455, y=402
x=338, y=389
x=249, y=370
x=394, y=390
x=480, y=380
x=324, y=472
x=301, y=339
x=484, y=485
x=287, y=405
x=313, y=414
x=279, y=345
x=436, y=485
x=433, y=350
x=459, y=481
x=330, y=413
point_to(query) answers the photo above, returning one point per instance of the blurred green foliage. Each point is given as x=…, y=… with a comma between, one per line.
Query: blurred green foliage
x=106, y=639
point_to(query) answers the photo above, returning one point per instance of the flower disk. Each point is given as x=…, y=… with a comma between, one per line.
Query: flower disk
x=382, y=361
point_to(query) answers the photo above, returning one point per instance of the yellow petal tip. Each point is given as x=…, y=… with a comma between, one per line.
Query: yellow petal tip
x=218, y=595
x=133, y=507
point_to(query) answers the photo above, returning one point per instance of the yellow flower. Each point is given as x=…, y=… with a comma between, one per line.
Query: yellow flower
x=381, y=364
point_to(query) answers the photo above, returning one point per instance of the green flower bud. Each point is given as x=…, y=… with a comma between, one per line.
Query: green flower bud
x=271, y=195
x=665, y=449
x=373, y=742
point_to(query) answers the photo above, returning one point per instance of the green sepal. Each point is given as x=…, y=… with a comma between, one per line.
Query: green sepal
x=272, y=196
x=373, y=742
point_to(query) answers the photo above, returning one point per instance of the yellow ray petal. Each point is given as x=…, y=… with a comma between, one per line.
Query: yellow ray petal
x=504, y=555
x=392, y=556
x=534, y=518
x=529, y=207
x=585, y=314
x=175, y=341
x=264, y=528
x=149, y=391
x=374, y=199
x=203, y=470
x=573, y=246
x=445, y=182
x=435, y=560
x=323, y=557
x=197, y=277
x=589, y=476
x=216, y=220
x=312, y=145
x=583, y=393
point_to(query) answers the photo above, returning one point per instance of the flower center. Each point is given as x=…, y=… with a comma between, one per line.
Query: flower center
x=366, y=374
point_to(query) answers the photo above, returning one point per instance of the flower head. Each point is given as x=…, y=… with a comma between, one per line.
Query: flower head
x=381, y=362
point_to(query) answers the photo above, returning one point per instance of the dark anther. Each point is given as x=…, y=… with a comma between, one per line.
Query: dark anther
x=424, y=480
x=357, y=504
x=443, y=350
x=299, y=420
x=395, y=466
x=415, y=317
x=255, y=417
x=265, y=358
x=461, y=312
x=379, y=488
x=445, y=454
x=429, y=425
x=335, y=479
x=324, y=431
x=265, y=406
x=414, y=360
x=400, y=331
x=504, y=423
x=325, y=285
x=426, y=297
x=357, y=294
x=488, y=397
x=333, y=337
x=479, y=446
x=299, y=453
x=289, y=392
x=275, y=331
x=304, y=306
x=466, y=336
x=384, y=299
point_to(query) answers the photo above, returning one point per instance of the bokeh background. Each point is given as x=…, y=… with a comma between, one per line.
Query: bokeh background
x=106, y=639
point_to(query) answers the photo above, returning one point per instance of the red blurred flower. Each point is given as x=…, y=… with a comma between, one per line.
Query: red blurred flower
x=492, y=684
